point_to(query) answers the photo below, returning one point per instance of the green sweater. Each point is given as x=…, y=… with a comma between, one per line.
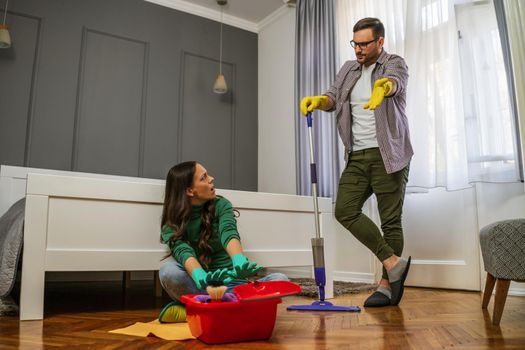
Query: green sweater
x=224, y=229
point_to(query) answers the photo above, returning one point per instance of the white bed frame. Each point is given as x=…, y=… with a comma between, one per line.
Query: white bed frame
x=92, y=222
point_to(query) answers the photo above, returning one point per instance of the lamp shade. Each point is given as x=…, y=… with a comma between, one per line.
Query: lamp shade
x=220, y=86
x=5, y=38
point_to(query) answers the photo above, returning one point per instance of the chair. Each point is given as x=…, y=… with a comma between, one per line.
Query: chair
x=503, y=250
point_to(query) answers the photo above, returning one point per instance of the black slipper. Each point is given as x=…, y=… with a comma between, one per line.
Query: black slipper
x=398, y=286
x=377, y=299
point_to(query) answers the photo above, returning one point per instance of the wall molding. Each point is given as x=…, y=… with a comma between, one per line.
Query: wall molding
x=180, y=124
x=272, y=17
x=32, y=91
x=439, y=262
x=359, y=277
x=79, y=96
x=208, y=13
x=517, y=291
x=143, y=108
x=215, y=15
x=293, y=272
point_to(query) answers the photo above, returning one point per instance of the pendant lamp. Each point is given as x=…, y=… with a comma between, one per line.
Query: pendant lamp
x=220, y=87
x=5, y=38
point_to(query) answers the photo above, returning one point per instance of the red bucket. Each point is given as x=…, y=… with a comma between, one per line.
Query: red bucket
x=250, y=318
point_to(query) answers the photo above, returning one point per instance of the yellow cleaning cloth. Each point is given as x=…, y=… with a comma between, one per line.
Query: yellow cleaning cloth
x=168, y=331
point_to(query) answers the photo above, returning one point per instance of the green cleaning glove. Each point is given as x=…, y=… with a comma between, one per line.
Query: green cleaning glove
x=215, y=278
x=218, y=278
x=242, y=268
x=173, y=312
x=200, y=277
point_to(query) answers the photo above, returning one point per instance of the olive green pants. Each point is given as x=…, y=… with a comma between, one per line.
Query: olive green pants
x=363, y=176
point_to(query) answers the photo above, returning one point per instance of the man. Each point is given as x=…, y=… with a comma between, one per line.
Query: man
x=369, y=99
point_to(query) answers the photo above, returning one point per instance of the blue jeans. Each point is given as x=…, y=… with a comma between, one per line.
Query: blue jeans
x=176, y=281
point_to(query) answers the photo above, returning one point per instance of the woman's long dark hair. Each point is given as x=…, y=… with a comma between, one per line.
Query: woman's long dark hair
x=176, y=212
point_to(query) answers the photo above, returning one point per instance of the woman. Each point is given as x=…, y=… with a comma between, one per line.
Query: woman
x=200, y=229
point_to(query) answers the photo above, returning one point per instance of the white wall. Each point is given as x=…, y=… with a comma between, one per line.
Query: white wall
x=276, y=105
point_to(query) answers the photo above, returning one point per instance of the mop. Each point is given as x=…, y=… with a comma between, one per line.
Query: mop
x=318, y=247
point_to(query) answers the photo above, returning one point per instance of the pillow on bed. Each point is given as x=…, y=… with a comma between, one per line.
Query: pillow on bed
x=11, y=238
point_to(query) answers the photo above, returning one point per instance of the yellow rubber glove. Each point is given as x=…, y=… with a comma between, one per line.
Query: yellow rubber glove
x=381, y=88
x=309, y=103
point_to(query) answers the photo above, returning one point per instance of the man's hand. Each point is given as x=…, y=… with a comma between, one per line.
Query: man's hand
x=309, y=103
x=381, y=88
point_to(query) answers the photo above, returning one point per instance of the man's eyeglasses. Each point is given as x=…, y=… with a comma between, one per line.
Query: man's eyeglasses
x=363, y=45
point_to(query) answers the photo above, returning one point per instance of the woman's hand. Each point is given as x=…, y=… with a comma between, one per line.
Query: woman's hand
x=199, y=276
x=242, y=268
x=216, y=278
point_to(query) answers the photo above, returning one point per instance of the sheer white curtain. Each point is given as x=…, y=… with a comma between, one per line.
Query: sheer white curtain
x=434, y=99
x=425, y=33
x=390, y=12
x=514, y=13
x=491, y=141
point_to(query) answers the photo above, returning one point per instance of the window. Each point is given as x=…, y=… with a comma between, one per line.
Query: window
x=489, y=122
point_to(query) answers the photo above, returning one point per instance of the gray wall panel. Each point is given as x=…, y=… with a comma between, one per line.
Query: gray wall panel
x=100, y=120
x=17, y=66
x=109, y=116
x=245, y=104
x=207, y=125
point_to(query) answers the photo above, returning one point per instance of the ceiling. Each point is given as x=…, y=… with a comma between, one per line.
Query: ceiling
x=246, y=14
x=249, y=10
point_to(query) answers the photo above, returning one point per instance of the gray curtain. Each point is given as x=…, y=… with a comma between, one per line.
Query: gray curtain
x=315, y=57
x=505, y=46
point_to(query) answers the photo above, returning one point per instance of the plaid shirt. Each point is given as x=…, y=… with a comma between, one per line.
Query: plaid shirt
x=392, y=132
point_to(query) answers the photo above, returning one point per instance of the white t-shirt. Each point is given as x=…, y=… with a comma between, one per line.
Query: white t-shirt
x=364, y=123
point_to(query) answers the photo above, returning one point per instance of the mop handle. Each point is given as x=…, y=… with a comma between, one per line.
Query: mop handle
x=313, y=176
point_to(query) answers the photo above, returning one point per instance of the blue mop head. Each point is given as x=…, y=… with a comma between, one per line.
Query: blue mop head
x=323, y=306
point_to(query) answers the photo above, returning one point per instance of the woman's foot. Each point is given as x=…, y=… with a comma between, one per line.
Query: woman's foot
x=173, y=312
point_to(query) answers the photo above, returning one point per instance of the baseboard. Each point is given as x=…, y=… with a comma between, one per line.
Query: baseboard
x=306, y=272
x=361, y=277
x=293, y=272
x=517, y=291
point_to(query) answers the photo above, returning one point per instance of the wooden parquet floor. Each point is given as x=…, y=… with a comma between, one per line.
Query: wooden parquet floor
x=78, y=316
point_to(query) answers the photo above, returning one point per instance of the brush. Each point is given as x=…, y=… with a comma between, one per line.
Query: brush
x=216, y=292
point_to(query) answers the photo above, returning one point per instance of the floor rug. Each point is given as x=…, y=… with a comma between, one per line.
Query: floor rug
x=309, y=289
x=8, y=306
